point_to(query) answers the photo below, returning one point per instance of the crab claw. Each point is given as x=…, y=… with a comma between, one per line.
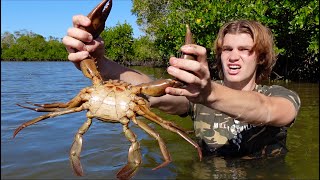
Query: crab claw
x=157, y=88
x=188, y=40
x=98, y=17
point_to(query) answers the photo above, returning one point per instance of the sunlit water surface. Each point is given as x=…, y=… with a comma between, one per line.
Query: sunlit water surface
x=41, y=151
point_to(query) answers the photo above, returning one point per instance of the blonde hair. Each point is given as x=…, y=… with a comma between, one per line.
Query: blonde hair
x=263, y=45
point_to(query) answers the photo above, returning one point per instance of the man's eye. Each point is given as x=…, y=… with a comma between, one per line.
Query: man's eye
x=244, y=49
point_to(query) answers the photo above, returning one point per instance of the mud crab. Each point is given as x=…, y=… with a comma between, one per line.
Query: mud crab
x=112, y=101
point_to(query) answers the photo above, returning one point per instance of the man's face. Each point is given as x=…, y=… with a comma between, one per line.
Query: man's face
x=239, y=62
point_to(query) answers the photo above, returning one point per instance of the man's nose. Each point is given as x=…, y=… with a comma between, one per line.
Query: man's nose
x=234, y=55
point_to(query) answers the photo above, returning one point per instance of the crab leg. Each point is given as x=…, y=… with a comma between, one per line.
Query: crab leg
x=40, y=109
x=77, y=146
x=134, y=155
x=162, y=145
x=98, y=16
x=167, y=125
x=75, y=102
x=46, y=116
x=51, y=105
x=143, y=105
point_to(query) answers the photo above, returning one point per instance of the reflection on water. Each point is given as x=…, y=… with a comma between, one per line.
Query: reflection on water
x=219, y=168
x=41, y=151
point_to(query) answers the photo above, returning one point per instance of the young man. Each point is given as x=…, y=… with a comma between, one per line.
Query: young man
x=232, y=117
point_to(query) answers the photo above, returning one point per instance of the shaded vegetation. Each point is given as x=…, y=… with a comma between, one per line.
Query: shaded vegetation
x=295, y=25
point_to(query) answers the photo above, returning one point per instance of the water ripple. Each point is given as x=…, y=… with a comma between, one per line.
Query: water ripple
x=41, y=151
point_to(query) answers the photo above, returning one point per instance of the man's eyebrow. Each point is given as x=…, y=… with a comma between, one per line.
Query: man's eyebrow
x=247, y=47
x=243, y=47
x=226, y=46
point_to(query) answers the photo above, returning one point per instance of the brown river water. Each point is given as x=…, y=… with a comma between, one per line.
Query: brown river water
x=41, y=151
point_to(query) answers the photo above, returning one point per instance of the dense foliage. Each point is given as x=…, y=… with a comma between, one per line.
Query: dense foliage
x=295, y=25
x=120, y=46
x=28, y=46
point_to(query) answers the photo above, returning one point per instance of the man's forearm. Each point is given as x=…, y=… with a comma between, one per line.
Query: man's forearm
x=250, y=106
x=176, y=105
x=112, y=70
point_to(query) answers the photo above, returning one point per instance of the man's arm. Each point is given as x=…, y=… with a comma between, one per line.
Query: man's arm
x=252, y=107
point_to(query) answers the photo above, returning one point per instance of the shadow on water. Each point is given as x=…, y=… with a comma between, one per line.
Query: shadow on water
x=219, y=168
x=41, y=151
